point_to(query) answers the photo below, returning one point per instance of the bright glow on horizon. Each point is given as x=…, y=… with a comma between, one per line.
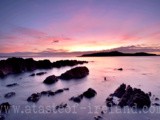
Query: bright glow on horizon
x=84, y=25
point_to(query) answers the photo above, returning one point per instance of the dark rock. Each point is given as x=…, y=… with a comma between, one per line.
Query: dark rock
x=4, y=107
x=75, y=73
x=41, y=73
x=63, y=63
x=12, y=85
x=34, y=97
x=89, y=93
x=59, y=91
x=126, y=96
x=50, y=79
x=33, y=74
x=120, y=91
x=65, y=88
x=61, y=106
x=1, y=74
x=10, y=94
x=44, y=64
x=109, y=102
x=19, y=65
x=120, y=69
x=51, y=93
x=156, y=99
x=156, y=104
x=132, y=97
x=77, y=99
x=44, y=93
x=139, y=99
x=150, y=94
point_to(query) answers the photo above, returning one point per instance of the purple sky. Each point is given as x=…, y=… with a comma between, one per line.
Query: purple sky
x=52, y=27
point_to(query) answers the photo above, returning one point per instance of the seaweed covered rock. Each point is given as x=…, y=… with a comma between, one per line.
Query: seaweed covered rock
x=50, y=80
x=75, y=73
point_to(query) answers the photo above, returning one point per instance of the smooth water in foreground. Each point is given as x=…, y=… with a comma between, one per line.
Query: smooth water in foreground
x=139, y=72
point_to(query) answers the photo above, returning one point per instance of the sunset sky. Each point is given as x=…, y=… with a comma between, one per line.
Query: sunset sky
x=62, y=26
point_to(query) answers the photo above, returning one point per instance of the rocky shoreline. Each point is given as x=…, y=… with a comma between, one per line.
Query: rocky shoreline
x=19, y=65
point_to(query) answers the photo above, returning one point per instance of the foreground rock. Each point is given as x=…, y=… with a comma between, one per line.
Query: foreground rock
x=4, y=107
x=50, y=80
x=129, y=96
x=36, y=96
x=75, y=73
x=90, y=93
x=19, y=65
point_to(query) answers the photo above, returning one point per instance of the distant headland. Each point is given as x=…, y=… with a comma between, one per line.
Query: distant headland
x=116, y=53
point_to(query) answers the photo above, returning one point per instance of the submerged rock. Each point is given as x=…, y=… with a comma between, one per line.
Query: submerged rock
x=10, y=94
x=4, y=107
x=50, y=79
x=75, y=73
x=41, y=73
x=12, y=85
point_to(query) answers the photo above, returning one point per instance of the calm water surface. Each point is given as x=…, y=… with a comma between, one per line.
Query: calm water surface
x=140, y=72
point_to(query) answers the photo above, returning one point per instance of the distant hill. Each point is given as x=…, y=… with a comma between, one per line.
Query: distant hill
x=116, y=53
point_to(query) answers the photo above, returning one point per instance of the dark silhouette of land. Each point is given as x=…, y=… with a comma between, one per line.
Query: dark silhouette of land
x=116, y=53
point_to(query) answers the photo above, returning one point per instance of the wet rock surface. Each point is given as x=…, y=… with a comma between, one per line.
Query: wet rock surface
x=19, y=65
x=129, y=96
x=50, y=80
x=75, y=73
x=90, y=93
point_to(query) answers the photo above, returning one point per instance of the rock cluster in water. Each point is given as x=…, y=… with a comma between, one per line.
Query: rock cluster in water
x=19, y=65
x=36, y=96
x=90, y=93
x=129, y=96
